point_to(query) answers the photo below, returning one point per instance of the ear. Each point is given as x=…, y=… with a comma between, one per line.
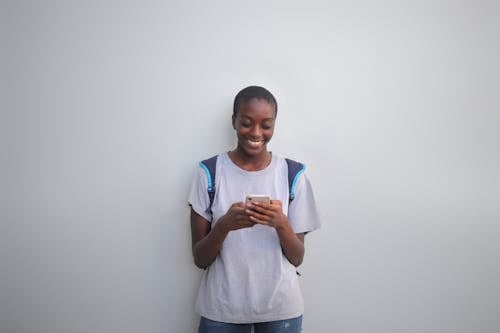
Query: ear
x=233, y=121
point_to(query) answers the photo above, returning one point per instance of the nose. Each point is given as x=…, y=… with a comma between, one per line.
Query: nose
x=256, y=131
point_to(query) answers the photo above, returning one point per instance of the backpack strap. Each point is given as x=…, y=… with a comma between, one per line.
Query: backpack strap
x=295, y=169
x=209, y=166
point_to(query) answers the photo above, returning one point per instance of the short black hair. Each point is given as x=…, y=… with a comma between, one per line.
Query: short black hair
x=251, y=92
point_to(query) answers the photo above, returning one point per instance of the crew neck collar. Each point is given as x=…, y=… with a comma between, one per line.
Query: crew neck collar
x=233, y=165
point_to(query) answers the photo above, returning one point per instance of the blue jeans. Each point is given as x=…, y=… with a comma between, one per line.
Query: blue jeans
x=293, y=325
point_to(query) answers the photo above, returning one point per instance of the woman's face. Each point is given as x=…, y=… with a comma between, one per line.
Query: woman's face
x=254, y=125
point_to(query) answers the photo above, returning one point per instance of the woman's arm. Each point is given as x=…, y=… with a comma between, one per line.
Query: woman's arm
x=292, y=245
x=207, y=239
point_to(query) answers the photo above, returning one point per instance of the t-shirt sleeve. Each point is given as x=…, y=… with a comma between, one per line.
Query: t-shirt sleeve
x=302, y=212
x=198, y=196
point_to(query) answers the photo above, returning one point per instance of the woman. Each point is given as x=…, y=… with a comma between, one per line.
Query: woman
x=250, y=251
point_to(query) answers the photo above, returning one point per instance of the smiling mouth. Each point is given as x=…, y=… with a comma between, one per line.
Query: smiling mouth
x=255, y=144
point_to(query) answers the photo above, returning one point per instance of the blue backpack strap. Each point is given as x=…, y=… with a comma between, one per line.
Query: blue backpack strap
x=295, y=169
x=209, y=166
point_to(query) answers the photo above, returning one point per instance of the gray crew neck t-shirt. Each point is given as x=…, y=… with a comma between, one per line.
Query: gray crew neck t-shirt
x=251, y=280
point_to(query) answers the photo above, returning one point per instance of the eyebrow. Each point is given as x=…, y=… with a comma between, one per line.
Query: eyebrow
x=247, y=117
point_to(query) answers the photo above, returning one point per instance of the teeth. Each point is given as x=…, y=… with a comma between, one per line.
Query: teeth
x=255, y=143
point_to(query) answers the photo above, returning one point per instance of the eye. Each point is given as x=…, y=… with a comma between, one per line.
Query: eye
x=267, y=125
x=246, y=124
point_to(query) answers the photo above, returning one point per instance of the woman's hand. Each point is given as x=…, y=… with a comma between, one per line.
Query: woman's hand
x=270, y=214
x=236, y=218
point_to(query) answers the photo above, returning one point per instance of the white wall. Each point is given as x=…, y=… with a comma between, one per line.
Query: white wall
x=109, y=105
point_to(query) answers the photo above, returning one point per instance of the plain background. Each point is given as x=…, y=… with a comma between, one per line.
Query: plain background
x=108, y=106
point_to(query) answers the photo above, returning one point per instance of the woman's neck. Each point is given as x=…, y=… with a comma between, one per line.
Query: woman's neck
x=250, y=163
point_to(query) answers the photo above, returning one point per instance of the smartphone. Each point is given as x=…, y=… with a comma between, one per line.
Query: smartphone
x=258, y=197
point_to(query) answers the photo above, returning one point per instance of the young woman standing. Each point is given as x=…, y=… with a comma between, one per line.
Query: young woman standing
x=250, y=251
